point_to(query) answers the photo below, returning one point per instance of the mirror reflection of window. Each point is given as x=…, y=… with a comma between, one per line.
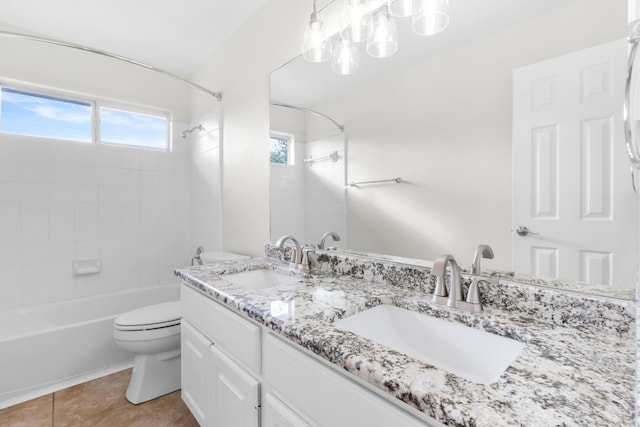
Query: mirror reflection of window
x=281, y=148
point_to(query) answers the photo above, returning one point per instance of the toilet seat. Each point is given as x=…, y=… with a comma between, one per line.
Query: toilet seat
x=158, y=316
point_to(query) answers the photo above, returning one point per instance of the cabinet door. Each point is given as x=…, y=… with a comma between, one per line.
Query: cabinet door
x=277, y=414
x=196, y=368
x=236, y=394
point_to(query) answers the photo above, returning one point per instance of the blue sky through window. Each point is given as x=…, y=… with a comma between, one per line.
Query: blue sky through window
x=26, y=113
x=128, y=128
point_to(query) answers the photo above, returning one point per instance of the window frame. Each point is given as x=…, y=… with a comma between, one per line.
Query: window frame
x=96, y=104
x=290, y=138
x=143, y=111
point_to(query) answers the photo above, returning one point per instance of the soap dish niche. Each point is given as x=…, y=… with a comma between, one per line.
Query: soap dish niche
x=86, y=266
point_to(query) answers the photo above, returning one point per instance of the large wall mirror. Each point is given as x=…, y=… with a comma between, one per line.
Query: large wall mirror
x=479, y=124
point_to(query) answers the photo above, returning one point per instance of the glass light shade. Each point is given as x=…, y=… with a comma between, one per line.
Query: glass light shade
x=403, y=8
x=384, y=40
x=355, y=22
x=346, y=59
x=432, y=18
x=316, y=47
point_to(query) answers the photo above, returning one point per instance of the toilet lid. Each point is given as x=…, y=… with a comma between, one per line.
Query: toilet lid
x=153, y=316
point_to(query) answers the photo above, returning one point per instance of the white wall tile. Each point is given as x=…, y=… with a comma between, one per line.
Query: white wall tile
x=9, y=170
x=86, y=212
x=62, y=251
x=35, y=253
x=109, y=194
x=86, y=231
x=10, y=254
x=34, y=212
x=35, y=233
x=109, y=176
x=61, y=193
x=61, y=212
x=86, y=193
x=130, y=195
x=35, y=192
x=130, y=159
x=60, y=173
x=87, y=174
x=87, y=249
x=62, y=232
x=9, y=233
x=10, y=191
x=10, y=212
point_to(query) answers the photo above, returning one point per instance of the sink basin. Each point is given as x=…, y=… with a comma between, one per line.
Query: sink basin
x=469, y=353
x=261, y=279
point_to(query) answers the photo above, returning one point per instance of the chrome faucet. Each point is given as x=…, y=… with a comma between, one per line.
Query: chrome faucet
x=196, y=258
x=331, y=234
x=454, y=298
x=296, y=257
x=440, y=294
x=483, y=251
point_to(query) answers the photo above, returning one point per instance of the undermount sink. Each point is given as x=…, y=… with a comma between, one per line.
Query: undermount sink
x=469, y=353
x=261, y=279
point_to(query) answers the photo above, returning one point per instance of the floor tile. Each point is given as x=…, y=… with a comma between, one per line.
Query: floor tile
x=177, y=411
x=81, y=402
x=33, y=413
x=99, y=403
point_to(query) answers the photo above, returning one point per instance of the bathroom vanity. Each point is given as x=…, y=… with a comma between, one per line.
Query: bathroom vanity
x=268, y=352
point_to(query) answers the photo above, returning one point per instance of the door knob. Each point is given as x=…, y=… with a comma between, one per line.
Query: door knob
x=523, y=231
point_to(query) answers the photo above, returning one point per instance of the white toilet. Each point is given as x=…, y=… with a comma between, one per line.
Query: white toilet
x=152, y=334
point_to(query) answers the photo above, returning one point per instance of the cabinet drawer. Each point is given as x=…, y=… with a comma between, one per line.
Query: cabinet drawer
x=237, y=336
x=306, y=382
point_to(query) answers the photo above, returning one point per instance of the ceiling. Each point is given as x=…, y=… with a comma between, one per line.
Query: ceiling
x=178, y=36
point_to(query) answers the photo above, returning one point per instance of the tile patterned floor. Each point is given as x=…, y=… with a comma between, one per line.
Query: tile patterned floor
x=98, y=403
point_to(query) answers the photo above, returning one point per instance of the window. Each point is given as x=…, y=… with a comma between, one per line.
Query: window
x=281, y=149
x=52, y=116
x=131, y=128
x=26, y=113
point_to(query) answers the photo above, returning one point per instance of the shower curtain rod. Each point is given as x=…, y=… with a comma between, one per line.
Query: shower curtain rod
x=10, y=34
x=306, y=110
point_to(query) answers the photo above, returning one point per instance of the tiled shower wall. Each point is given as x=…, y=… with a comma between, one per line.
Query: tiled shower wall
x=62, y=201
x=309, y=199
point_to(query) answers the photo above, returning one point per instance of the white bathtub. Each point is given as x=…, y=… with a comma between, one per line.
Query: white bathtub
x=48, y=347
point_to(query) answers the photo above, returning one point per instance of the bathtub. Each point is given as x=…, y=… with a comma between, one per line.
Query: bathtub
x=52, y=346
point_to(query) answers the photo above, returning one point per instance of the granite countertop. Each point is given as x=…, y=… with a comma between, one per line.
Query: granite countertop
x=564, y=375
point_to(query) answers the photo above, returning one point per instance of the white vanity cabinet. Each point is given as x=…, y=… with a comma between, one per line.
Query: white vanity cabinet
x=220, y=363
x=237, y=373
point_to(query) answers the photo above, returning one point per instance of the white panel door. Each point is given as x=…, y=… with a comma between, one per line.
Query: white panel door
x=571, y=177
x=236, y=394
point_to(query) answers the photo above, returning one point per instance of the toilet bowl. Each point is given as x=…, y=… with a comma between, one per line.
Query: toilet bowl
x=152, y=334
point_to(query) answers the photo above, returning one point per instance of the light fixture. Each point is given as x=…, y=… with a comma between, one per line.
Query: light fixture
x=316, y=46
x=346, y=59
x=371, y=21
x=403, y=8
x=355, y=21
x=432, y=17
x=384, y=40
